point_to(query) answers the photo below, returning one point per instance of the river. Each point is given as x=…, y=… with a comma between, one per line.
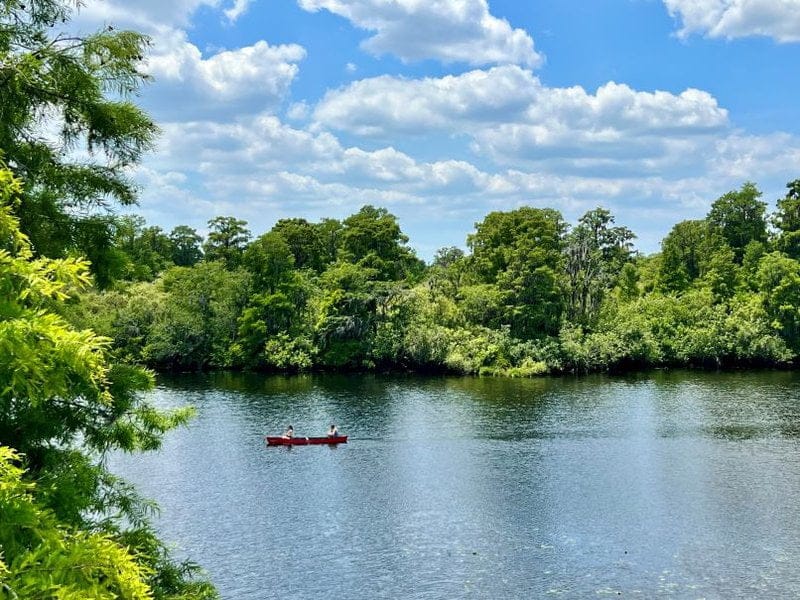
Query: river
x=673, y=484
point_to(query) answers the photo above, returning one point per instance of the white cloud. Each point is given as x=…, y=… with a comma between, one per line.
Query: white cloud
x=188, y=84
x=445, y=30
x=754, y=157
x=298, y=111
x=155, y=14
x=261, y=169
x=386, y=105
x=514, y=119
x=237, y=10
x=778, y=19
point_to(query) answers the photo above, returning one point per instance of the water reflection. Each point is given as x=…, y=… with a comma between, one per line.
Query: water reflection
x=671, y=484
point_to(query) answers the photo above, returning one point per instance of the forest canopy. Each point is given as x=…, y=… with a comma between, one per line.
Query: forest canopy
x=532, y=294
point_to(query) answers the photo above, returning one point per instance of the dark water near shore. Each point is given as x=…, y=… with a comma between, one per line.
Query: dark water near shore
x=682, y=485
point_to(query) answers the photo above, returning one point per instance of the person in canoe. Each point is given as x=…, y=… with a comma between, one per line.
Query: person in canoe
x=289, y=433
x=333, y=432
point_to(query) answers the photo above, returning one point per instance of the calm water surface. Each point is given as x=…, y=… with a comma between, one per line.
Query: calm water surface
x=681, y=485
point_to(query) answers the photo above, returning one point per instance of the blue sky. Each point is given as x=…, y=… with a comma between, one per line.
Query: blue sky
x=444, y=110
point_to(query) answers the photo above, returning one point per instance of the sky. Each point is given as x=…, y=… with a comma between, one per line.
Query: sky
x=442, y=111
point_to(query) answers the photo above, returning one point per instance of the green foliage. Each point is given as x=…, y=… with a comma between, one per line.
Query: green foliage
x=226, y=241
x=685, y=253
x=148, y=250
x=628, y=283
x=371, y=238
x=531, y=297
x=63, y=404
x=347, y=314
x=787, y=220
x=201, y=309
x=740, y=217
x=482, y=304
x=275, y=329
x=306, y=242
x=778, y=280
x=78, y=87
x=595, y=255
x=43, y=558
x=270, y=260
x=664, y=330
x=521, y=252
x=185, y=246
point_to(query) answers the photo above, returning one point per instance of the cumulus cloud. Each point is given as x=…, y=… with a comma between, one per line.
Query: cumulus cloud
x=154, y=14
x=514, y=119
x=388, y=105
x=194, y=83
x=446, y=30
x=248, y=79
x=265, y=145
x=778, y=19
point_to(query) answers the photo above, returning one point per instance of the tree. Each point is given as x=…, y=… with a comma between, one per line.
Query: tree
x=628, y=282
x=348, y=310
x=787, y=220
x=276, y=329
x=305, y=242
x=61, y=92
x=445, y=257
x=202, y=306
x=739, y=217
x=520, y=251
x=40, y=554
x=270, y=260
x=778, y=279
x=449, y=269
x=685, y=253
x=372, y=239
x=330, y=233
x=226, y=241
x=595, y=255
x=63, y=405
x=94, y=239
x=186, y=250
x=148, y=249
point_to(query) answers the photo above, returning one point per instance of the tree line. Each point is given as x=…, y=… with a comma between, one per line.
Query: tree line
x=532, y=295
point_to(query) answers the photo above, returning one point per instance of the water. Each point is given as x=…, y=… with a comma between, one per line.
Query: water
x=681, y=485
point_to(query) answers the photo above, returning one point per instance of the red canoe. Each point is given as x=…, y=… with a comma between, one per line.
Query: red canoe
x=303, y=441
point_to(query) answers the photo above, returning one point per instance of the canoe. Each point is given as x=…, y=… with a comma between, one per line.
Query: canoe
x=304, y=441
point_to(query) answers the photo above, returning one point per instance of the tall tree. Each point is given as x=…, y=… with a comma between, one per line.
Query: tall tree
x=685, y=253
x=740, y=218
x=330, y=233
x=62, y=93
x=270, y=259
x=63, y=405
x=305, y=242
x=778, y=279
x=348, y=313
x=149, y=250
x=185, y=246
x=372, y=239
x=595, y=254
x=226, y=240
x=520, y=251
x=787, y=220
x=200, y=313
